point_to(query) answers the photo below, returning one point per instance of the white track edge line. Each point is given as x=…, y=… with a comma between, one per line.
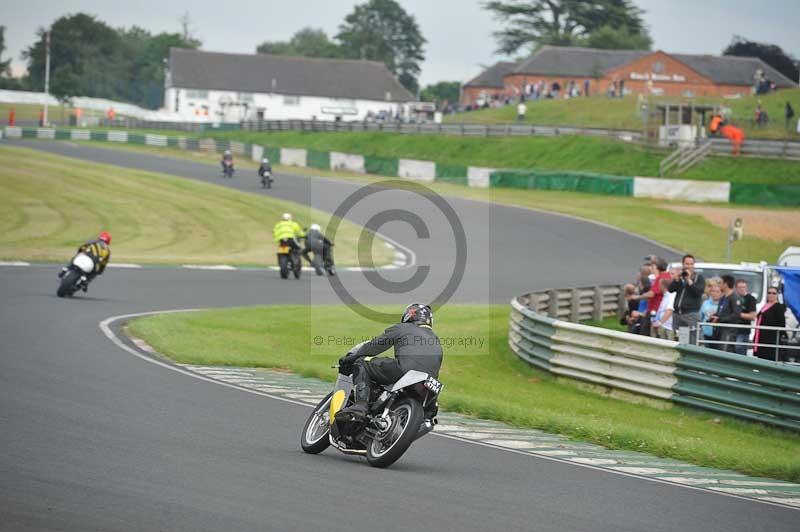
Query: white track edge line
x=105, y=327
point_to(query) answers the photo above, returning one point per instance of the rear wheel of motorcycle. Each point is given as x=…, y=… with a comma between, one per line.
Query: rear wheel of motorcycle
x=388, y=446
x=283, y=264
x=67, y=286
x=314, y=438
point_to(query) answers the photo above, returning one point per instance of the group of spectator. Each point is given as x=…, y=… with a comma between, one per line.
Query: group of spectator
x=762, y=84
x=663, y=300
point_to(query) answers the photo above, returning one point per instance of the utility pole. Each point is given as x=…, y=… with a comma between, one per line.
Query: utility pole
x=46, y=75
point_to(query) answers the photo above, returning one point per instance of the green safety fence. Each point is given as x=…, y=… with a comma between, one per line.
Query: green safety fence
x=134, y=138
x=381, y=165
x=63, y=134
x=744, y=387
x=98, y=135
x=172, y=142
x=564, y=181
x=318, y=159
x=752, y=194
x=273, y=154
x=451, y=173
x=29, y=133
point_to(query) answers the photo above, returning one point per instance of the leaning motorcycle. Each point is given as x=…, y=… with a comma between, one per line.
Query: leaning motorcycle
x=289, y=259
x=74, y=277
x=227, y=168
x=398, y=415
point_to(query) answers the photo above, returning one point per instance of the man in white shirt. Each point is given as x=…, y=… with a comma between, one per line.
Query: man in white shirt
x=521, y=109
x=662, y=323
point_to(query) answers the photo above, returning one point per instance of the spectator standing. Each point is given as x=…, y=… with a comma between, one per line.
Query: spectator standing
x=772, y=314
x=688, y=287
x=710, y=308
x=726, y=313
x=654, y=295
x=788, y=114
x=662, y=322
x=621, y=88
x=12, y=117
x=586, y=88
x=521, y=110
x=746, y=306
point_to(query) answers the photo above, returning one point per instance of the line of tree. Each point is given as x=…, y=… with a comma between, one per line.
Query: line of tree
x=771, y=54
x=377, y=30
x=90, y=58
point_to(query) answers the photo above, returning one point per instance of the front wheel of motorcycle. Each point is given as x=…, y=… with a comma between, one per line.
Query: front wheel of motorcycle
x=315, y=438
x=389, y=444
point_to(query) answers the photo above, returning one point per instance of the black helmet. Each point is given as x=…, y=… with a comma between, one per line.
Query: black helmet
x=418, y=314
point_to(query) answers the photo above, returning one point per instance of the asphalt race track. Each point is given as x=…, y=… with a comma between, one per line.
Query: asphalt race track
x=92, y=438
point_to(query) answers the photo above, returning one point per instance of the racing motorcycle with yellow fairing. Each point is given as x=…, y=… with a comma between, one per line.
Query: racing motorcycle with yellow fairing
x=398, y=415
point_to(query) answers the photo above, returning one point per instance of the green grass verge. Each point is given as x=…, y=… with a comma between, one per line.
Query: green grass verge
x=50, y=204
x=645, y=217
x=569, y=152
x=28, y=111
x=624, y=113
x=493, y=384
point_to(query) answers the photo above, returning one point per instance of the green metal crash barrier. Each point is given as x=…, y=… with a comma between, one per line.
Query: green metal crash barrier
x=782, y=195
x=724, y=383
x=745, y=387
x=563, y=181
x=381, y=166
x=318, y=159
x=454, y=174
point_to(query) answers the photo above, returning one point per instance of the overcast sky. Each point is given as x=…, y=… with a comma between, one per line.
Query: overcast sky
x=459, y=32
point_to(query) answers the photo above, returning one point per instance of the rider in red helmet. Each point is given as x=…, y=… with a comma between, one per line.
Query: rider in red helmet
x=99, y=251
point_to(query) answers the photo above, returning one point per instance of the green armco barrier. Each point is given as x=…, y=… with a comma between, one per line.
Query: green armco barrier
x=172, y=142
x=192, y=144
x=29, y=133
x=455, y=174
x=318, y=159
x=381, y=166
x=744, y=387
x=63, y=134
x=273, y=154
x=223, y=145
x=134, y=138
x=750, y=194
x=98, y=135
x=565, y=181
x=530, y=337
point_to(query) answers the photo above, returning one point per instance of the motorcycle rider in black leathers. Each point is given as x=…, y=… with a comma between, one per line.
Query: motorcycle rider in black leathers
x=416, y=347
x=264, y=167
x=227, y=156
x=318, y=244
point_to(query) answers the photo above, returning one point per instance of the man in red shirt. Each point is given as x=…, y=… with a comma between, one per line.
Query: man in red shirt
x=654, y=295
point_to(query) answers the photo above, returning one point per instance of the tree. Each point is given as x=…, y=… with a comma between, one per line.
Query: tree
x=6, y=81
x=308, y=42
x=444, y=91
x=532, y=23
x=381, y=30
x=771, y=54
x=85, y=58
x=616, y=39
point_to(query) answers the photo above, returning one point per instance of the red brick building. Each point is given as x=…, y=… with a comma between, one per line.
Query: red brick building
x=634, y=71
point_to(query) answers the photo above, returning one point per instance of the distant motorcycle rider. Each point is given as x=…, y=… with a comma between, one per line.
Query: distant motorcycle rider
x=265, y=167
x=227, y=157
x=318, y=244
x=99, y=251
x=416, y=347
x=288, y=232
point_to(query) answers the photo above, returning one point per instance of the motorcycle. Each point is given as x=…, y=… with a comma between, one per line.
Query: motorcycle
x=289, y=259
x=398, y=415
x=266, y=179
x=227, y=168
x=75, y=276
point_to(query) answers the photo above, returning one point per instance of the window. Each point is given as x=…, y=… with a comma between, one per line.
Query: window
x=291, y=100
x=197, y=94
x=245, y=97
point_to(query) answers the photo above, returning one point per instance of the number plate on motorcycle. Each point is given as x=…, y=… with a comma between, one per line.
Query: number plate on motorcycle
x=283, y=249
x=433, y=385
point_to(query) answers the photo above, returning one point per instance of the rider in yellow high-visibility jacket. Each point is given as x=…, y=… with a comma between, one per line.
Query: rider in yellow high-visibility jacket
x=287, y=229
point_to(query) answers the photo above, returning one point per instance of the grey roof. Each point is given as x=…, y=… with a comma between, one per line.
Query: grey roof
x=575, y=61
x=492, y=76
x=732, y=70
x=302, y=76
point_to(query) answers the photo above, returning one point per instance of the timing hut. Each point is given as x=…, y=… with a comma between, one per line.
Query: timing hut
x=222, y=87
x=659, y=73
